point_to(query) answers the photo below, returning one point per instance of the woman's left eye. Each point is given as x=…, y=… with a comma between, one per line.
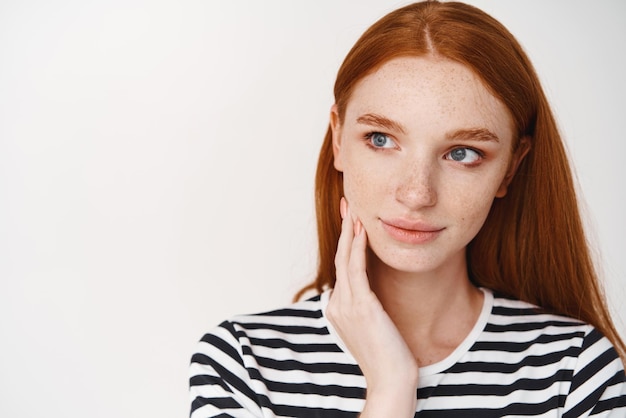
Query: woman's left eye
x=380, y=140
x=464, y=155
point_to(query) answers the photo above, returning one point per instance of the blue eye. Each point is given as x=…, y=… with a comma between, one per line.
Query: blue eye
x=464, y=155
x=380, y=140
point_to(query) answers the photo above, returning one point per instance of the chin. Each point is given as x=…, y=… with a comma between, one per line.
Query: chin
x=416, y=259
x=409, y=261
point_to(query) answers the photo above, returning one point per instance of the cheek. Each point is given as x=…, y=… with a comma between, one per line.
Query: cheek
x=476, y=212
x=474, y=205
x=362, y=184
x=354, y=184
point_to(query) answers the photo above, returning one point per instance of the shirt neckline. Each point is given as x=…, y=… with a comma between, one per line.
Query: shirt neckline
x=434, y=368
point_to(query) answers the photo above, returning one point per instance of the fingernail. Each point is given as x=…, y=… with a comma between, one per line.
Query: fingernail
x=358, y=227
x=342, y=208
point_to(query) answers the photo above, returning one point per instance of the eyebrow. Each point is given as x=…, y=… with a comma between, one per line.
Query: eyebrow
x=380, y=121
x=474, y=134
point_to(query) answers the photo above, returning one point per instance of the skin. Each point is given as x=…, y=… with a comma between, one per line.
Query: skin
x=424, y=149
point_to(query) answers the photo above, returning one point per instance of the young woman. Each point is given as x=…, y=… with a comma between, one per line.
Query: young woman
x=454, y=276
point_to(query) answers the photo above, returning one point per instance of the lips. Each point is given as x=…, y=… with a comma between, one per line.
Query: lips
x=411, y=232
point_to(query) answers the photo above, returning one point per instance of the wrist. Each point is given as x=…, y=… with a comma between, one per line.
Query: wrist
x=390, y=401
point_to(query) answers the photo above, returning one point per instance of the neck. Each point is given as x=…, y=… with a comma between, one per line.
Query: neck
x=434, y=311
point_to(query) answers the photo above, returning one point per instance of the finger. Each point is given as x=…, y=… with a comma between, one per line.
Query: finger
x=357, y=265
x=344, y=247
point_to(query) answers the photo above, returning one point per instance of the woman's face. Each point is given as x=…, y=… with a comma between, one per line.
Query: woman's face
x=424, y=149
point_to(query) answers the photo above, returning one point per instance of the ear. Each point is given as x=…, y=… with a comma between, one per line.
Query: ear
x=335, y=129
x=522, y=149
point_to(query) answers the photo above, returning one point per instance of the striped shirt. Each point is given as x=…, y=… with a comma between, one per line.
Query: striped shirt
x=515, y=362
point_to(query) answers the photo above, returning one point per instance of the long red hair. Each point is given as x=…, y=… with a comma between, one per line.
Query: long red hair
x=532, y=245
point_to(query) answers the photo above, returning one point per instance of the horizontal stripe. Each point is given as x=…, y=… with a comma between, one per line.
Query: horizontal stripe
x=302, y=347
x=522, y=362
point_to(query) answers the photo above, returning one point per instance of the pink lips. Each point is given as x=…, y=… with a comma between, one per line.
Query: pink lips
x=411, y=232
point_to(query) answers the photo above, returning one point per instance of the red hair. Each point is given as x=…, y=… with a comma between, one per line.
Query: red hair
x=532, y=246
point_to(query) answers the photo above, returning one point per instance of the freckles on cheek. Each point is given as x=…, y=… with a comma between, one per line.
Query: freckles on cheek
x=477, y=212
x=351, y=187
x=473, y=207
x=357, y=191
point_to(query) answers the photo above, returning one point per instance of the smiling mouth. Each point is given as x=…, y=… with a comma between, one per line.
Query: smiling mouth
x=411, y=233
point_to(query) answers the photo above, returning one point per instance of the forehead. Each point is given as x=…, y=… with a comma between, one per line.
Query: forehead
x=429, y=93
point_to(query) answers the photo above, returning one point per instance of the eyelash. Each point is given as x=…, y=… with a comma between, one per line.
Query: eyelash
x=481, y=155
x=368, y=140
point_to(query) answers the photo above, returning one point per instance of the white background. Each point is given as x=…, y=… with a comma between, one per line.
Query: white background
x=156, y=175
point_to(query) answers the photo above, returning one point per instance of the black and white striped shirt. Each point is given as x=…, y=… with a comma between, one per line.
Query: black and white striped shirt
x=515, y=362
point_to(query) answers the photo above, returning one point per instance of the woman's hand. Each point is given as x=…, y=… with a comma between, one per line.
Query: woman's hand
x=390, y=370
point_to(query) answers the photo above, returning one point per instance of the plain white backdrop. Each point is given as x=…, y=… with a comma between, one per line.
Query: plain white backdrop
x=156, y=175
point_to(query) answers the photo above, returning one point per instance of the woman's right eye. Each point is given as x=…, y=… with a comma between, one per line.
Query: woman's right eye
x=380, y=140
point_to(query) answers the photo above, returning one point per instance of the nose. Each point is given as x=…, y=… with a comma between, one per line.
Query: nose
x=416, y=187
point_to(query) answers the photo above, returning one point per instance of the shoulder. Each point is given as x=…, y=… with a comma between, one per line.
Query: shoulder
x=276, y=363
x=300, y=311
x=293, y=324
x=298, y=318
x=510, y=315
x=520, y=332
x=560, y=349
x=560, y=362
